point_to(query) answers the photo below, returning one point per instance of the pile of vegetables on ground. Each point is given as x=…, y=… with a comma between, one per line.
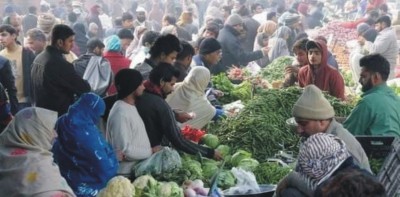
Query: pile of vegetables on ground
x=261, y=127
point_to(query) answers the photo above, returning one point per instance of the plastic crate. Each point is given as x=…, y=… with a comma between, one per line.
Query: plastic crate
x=389, y=175
x=377, y=147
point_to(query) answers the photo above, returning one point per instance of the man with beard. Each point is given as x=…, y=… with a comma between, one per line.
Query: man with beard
x=54, y=80
x=378, y=112
x=319, y=73
x=141, y=20
x=314, y=114
x=126, y=131
x=158, y=117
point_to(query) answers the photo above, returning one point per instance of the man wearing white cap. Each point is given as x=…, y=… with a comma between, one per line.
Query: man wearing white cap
x=141, y=20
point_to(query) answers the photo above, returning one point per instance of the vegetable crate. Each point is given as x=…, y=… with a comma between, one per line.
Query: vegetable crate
x=389, y=175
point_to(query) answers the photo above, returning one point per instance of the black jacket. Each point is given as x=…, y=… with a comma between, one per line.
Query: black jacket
x=55, y=82
x=27, y=60
x=8, y=81
x=160, y=123
x=232, y=51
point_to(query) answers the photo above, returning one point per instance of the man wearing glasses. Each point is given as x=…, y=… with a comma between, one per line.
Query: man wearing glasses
x=378, y=112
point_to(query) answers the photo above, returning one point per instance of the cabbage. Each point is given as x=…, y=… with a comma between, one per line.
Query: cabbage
x=224, y=150
x=209, y=169
x=248, y=164
x=210, y=140
x=170, y=189
x=239, y=156
x=194, y=167
x=226, y=179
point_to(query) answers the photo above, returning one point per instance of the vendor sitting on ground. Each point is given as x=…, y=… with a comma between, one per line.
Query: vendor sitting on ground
x=190, y=96
x=314, y=114
x=319, y=73
x=158, y=116
x=378, y=112
x=292, y=71
x=321, y=156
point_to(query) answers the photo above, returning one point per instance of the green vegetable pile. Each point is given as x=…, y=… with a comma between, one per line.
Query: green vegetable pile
x=348, y=78
x=261, y=128
x=232, y=92
x=270, y=172
x=396, y=89
x=276, y=69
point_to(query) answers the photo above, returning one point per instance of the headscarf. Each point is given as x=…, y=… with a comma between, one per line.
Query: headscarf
x=279, y=46
x=86, y=160
x=320, y=155
x=113, y=43
x=27, y=167
x=269, y=27
x=81, y=38
x=190, y=96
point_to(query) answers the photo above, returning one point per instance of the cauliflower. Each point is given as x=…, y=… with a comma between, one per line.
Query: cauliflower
x=118, y=186
x=145, y=185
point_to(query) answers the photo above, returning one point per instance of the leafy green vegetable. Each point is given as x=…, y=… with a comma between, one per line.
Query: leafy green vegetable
x=210, y=140
x=248, y=164
x=276, y=69
x=270, y=173
x=239, y=156
x=224, y=150
x=376, y=164
x=209, y=169
x=226, y=179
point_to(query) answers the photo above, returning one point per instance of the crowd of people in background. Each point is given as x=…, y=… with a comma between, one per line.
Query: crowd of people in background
x=123, y=76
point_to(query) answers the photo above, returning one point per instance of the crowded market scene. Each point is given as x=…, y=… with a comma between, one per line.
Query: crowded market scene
x=196, y=98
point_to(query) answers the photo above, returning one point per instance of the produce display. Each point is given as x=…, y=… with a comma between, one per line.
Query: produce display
x=261, y=127
x=270, y=172
x=231, y=92
x=275, y=71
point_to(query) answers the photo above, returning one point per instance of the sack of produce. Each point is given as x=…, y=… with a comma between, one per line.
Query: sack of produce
x=160, y=163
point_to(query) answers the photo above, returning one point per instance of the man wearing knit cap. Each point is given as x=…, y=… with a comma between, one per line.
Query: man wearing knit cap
x=315, y=115
x=232, y=52
x=126, y=131
x=209, y=55
x=319, y=73
x=378, y=112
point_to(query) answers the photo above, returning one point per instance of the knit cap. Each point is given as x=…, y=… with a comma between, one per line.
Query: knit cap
x=233, y=20
x=320, y=155
x=46, y=22
x=370, y=34
x=208, y=46
x=127, y=81
x=362, y=27
x=313, y=105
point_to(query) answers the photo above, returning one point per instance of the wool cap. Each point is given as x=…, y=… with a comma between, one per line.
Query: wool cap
x=127, y=81
x=208, y=46
x=113, y=43
x=313, y=105
x=320, y=155
x=370, y=34
x=233, y=20
x=362, y=27
x=291, y=19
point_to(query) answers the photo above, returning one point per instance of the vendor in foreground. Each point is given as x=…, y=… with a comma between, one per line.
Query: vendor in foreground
x=319, y=73
x=378, y=111
x=158, y=116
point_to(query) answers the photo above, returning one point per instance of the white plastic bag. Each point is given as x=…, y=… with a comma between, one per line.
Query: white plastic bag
x=246, y=183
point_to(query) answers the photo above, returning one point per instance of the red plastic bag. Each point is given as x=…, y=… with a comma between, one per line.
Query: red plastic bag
x=192, y=134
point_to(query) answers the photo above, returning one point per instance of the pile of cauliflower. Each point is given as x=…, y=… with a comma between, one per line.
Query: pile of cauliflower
x=145, y=185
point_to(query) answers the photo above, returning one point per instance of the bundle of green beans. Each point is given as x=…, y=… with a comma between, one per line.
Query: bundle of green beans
x=261, y=127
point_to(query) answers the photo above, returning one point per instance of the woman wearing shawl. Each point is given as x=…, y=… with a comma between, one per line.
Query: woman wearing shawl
x=81, y=39
x=278, y=43
x=189, y=96
x=5, y=111
x=86, y=160
x=27, y=167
